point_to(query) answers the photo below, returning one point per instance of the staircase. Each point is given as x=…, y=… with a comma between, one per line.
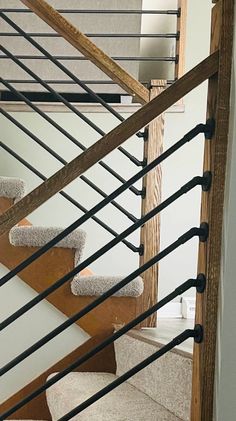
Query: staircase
x=119, y=373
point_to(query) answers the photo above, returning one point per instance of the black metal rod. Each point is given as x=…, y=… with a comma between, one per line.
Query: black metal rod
x=82, y=58
x=188, y=333
x=67, y=103
x=69, y=198
x=64, y=69
x=21, y=32
x=200, y=128
x=71, y=82
x=104, y=11
x=200, y=232
x=81, y=266
x=91, y=35
x=199, y=282
x=65, y=133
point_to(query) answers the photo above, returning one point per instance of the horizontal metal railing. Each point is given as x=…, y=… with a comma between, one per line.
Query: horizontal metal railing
x=48, y=149
x=92, y=35
x=5, y=13
x=64, y=69
x=101, y=11
x=82, y=58
x=69, y=82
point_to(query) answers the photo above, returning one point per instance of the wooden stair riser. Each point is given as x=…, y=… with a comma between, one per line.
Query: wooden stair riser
x=52, y=266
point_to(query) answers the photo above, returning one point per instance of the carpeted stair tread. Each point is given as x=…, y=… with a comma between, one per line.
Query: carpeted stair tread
x=12, y=188
x=167, y=380
x=96, y=285
x=37, y=236
x=125, y=403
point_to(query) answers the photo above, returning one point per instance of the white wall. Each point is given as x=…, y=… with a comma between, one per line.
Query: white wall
x=225, y=403
x=57, y=46
x=177, y=170
x=163, y=47
x=26, y=331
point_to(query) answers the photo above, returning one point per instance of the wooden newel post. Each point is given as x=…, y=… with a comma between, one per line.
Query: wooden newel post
x=150, y=232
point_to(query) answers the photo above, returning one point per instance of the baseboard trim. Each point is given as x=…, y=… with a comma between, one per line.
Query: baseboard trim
x=170, y=311
x=55, y=107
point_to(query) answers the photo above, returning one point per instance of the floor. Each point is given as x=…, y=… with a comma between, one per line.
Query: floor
x=167, y=329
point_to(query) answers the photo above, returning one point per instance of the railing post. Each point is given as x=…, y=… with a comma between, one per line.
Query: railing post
x=150, y=232
x=209, y=258
x=180, y=43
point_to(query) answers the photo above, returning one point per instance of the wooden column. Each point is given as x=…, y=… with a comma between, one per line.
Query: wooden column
x=215, y=156
x=150, y=232
x=181, y=42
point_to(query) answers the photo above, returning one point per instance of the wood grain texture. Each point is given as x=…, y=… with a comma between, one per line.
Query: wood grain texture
x=104, y=361
x=82, y=43
x=212, y=212
x=181, y=42
x=150, y=232
x=52, y=266
x=109, y=142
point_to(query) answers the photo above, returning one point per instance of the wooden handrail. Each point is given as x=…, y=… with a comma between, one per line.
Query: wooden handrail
x=109, y=142
x=82, y=43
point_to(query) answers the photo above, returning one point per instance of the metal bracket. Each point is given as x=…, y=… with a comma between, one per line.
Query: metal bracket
x=207, y=181
x=142, y=135
x=198, y=336
x=141, y=250
x=144, y=162
x=210, y=128
x=201, y=283
x=143, y=192
x=145, y=134
x=205, y=232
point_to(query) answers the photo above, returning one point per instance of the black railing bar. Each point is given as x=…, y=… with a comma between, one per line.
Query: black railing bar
x=199, y=283
x=120, y=148
x=69, y=198
x=104, y=11
x=92, y=35
x=56, y=94
x=188, y=333
x=71, y=82
x=55, y=155
x=98, y=254
x=82, y=58
x=200, y=128
x=201, y=232
x=64, y=69
x=69, y=105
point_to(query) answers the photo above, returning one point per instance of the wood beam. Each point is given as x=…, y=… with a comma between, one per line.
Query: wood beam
x=150, y=232
x=215, y=156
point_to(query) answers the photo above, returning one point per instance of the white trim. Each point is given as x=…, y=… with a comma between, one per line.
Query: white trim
x=170, y=311
x=55, y=107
